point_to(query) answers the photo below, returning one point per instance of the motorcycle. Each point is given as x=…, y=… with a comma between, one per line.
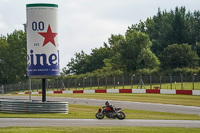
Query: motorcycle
x=115, y=113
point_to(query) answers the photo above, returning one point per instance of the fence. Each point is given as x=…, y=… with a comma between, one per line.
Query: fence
x=114, y=82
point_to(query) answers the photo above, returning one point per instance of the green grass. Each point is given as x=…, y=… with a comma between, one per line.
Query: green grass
x=88, y=112
x=188, y=100
x=98, y=130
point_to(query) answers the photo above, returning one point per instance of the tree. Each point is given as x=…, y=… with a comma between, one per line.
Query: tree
x=179, y=56
x=3, y=45
x=171, y=27
x=83, y=63
x=14, y=65
x=76, y=66
x=135, y=52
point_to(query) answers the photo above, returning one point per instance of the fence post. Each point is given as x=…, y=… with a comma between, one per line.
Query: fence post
x=140, y=81
x=160, y=81
x=150, y=83
x=123, y=81
x=90, y=83
x=68, y=83
x=170, y=80
x=98, y=82
x=29, y=89
x=181, y=81
x=106, y=82
x=114, y=82
x=194, y=79
x=132, y=80
x=83, y=82
x=57, y=84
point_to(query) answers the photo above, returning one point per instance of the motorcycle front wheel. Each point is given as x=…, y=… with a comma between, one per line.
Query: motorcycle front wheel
x=121, y=115
x=99, y=115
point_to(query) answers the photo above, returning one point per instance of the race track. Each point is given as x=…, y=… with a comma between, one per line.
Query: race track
x=123, y=104
x=33, y=122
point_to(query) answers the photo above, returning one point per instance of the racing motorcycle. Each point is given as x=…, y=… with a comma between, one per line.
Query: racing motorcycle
x=114, y=113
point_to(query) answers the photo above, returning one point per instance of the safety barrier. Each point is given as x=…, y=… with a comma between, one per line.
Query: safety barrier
x=153, y=91
x=24, y=106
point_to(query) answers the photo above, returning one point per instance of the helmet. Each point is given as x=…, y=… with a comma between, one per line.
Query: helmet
x=107, y=103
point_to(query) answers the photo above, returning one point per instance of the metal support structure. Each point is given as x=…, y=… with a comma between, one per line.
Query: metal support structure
x=106, y=83
x=43, y=90
x=160, y=81
x=132, y=81
x=114, y=82
x=193, y=79
x=140, y=81
x=98, y=82
x=123, y=81
x=90, y=83
x=29, y=89
x=181, y=81
x=83, y=83
x=170, y=80
x=150, y=82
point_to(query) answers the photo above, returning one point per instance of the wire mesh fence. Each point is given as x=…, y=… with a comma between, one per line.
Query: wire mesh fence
x=113, y=82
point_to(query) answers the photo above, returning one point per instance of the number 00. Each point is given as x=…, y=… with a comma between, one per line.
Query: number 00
x=39, y=26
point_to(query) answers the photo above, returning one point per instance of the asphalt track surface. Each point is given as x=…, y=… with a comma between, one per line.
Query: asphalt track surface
x=34, y=122
x=122, y=104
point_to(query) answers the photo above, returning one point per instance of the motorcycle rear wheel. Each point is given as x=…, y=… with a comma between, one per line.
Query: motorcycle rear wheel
x=121, y=115
x=99, y=115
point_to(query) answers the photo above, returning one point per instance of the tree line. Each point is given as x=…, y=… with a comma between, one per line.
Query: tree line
x=166, y=43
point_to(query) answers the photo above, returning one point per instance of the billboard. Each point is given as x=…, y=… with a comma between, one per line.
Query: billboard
x=42, y=40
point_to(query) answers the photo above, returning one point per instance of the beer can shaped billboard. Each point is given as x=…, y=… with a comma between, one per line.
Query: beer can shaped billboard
x=42, y=40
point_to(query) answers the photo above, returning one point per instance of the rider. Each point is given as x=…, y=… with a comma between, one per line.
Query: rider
x=108, y=106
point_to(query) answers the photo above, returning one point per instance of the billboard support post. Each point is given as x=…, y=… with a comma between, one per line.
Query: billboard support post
x=43, y=90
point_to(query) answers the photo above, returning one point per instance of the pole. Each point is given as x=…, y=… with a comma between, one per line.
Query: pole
x=98, y=82
x=43, y=90
x=170, y=80
x=181, y=81
x=140, y=81
x=123, y=81
x=114, y=82
x=29, y=89
x=160, y=81
x=150, y=83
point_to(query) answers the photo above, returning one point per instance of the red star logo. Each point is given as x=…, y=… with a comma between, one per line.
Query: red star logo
x=49, y=36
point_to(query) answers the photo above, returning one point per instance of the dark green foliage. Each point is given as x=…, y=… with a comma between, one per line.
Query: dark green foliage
x=138, y=50
x=179, y=56
x=13, y=58
x=83, y=63
x=135, y=51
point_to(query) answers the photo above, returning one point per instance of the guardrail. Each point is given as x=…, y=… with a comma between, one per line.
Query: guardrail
x=24, y=106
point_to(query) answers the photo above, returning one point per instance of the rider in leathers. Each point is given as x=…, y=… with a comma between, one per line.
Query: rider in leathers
x=108, y=106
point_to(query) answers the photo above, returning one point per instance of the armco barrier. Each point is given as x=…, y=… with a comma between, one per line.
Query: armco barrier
x=153, y=91
x=138, y=90
x=196, y=92
x=156, y=91
x=23, y=106
x=125, y=90
x=164, y=91
x=100, y=91
x=185, y=92
x=78, y=91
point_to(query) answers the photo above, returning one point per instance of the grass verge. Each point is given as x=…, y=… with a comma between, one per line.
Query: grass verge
x=98, y=130
x=188, y=100
x=88, y=112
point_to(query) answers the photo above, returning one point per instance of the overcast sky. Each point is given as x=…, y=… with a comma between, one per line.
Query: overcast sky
x=87, y=24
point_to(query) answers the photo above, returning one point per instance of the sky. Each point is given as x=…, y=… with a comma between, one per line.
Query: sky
x=86, y=24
